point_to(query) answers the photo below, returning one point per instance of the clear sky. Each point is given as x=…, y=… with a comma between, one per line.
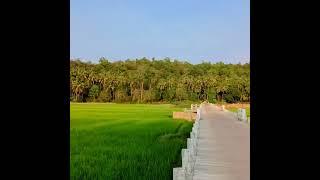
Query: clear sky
x=191, y=30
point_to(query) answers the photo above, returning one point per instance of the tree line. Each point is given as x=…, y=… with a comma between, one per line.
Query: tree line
x=166, y=80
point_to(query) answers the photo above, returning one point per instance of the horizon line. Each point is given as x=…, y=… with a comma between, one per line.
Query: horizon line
x=157, y=59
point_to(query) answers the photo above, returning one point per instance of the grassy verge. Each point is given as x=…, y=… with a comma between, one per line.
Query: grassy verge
x=185, y=104
x=234, y=109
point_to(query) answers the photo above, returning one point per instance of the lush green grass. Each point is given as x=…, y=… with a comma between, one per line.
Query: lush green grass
x=125, y=141
x=234, y=109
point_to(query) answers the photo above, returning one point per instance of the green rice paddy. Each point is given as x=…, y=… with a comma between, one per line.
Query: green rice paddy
x=125, y=141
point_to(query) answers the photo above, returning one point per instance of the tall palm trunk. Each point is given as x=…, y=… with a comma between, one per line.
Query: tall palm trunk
x=150, y=92
x=141, y=94
x=131, y=91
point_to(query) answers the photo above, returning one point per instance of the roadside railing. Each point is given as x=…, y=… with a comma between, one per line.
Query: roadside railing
x=242, y=115
x=189, y=155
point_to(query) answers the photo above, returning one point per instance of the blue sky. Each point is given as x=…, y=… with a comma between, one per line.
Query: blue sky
x=191, y=30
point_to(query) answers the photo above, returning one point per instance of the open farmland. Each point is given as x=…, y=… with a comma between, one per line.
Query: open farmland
x=125, y=141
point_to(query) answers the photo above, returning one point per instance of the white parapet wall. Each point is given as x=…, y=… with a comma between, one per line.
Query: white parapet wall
x=242, y=115
x=189, y=155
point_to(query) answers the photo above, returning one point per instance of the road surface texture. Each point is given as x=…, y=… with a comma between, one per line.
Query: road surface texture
x=223, y=151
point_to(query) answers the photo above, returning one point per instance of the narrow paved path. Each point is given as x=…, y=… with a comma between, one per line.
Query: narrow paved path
x=223, y=151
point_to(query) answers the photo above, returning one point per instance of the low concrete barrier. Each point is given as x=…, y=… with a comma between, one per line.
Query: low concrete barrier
x=242, y=115
x=189, y=155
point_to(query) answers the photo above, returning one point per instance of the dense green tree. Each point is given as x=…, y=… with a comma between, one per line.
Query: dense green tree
x=143, y=81
x=94, y=92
